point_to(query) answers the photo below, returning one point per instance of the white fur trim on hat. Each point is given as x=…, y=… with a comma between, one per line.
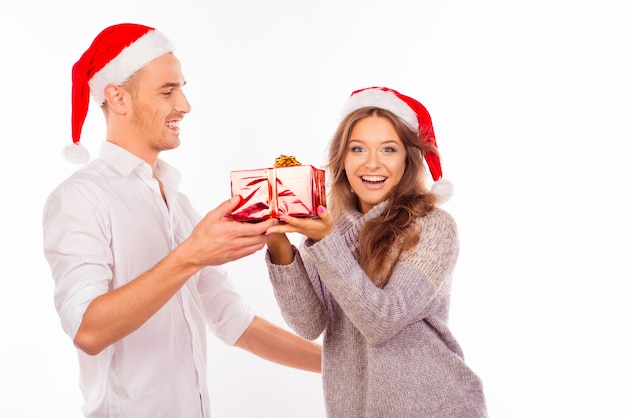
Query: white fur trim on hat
x=444, y=189
x=76, y=153
x=383, y=99
x=132, y=58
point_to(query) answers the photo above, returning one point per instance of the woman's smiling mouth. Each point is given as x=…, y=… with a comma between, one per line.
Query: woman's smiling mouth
x=373, y=181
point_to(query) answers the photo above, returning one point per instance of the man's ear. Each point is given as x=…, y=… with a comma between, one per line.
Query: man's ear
x=118, y=99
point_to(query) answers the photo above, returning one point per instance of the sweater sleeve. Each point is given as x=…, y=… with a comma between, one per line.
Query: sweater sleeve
x=299, y=296
x=418, y=283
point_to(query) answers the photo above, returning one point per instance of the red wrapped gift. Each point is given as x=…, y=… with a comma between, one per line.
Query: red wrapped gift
x=294, y=190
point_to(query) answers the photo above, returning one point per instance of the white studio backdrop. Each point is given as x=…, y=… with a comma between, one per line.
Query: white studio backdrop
x=527, y=100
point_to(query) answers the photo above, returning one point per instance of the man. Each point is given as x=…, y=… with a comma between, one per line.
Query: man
x=136, y=269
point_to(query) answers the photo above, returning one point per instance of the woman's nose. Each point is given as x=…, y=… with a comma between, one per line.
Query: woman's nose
x=372, y=160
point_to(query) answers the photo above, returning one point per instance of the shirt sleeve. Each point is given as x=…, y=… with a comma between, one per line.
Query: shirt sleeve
x=77, y=248
x=225, y=312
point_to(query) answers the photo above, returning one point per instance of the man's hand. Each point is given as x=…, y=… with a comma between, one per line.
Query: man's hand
x=217, y=240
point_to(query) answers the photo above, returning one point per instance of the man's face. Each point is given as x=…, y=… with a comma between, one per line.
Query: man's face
x=158, y=104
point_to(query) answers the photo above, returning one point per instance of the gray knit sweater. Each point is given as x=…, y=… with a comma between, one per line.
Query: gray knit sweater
x=388, y=351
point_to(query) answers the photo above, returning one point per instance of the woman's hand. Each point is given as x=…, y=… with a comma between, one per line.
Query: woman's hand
x=315, y=229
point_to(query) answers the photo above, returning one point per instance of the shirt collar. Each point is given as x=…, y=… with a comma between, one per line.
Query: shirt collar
x=118, y=158
x=126, y=162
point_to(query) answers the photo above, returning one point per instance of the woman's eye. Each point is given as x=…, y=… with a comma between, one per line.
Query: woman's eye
x=357, y=149
x=389, y=149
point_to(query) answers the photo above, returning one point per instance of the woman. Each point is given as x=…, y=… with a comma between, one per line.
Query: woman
x=374, y=272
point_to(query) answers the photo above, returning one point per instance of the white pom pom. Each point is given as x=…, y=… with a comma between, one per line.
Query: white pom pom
x=443, y=189
x=76, y=153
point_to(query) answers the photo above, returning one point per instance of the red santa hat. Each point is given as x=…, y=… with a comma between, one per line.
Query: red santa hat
x=117, y=53
x=415, y=115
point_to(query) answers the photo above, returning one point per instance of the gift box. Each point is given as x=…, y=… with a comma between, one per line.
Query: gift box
x=295, y=190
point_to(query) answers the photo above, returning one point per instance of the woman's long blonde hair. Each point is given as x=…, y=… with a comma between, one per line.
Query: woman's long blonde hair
x=383, y=239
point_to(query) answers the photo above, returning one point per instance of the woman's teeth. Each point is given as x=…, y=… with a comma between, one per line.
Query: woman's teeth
x=373, y=179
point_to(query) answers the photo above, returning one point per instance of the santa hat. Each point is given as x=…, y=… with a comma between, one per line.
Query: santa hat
x=415, y=115
x=117, y=53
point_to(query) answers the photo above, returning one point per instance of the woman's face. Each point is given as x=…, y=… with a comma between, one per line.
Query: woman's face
x=375, y=160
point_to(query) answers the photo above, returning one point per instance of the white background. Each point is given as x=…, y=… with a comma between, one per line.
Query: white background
x=528, y=104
